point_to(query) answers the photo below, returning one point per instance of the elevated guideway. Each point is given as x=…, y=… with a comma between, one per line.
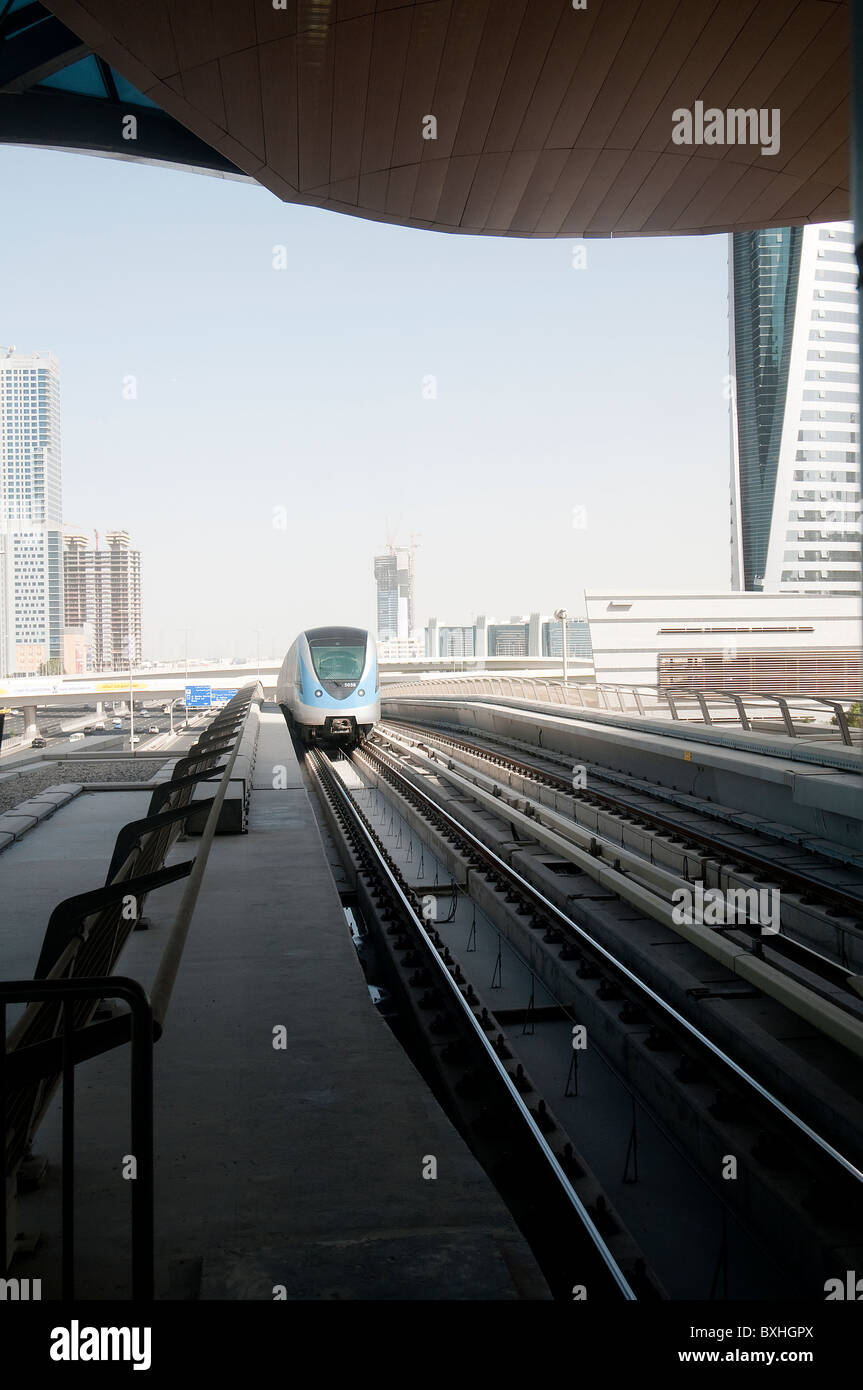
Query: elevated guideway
x=790, y=760
x=167, y=681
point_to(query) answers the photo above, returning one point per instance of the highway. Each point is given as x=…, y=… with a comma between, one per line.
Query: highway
x=56, y=727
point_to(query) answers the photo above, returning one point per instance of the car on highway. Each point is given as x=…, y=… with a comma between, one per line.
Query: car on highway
x=76, y=738
x=153, y=729
x=39, y=743
x=136, y=738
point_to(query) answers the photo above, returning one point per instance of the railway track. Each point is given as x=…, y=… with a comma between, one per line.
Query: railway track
x=820, y=1181
x=486, y=1099
x=804, y=894
x=823, y=1004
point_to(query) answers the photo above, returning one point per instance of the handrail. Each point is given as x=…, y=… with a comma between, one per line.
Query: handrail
x=141, y=1062
x=166, y=975
x=688, y=704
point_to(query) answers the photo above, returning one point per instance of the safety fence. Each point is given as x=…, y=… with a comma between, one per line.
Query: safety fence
x=796, y=715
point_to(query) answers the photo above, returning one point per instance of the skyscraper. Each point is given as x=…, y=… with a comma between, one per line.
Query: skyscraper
x=795, y=403
x=103, y=591
x=79, y=574
x=118, y=602
x=31, y=548
x=394, y=575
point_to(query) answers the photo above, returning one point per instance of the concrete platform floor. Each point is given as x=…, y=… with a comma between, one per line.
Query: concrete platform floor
x=290, y=1171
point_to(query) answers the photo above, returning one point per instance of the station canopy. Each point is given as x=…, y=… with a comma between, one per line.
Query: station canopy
x=529, y=118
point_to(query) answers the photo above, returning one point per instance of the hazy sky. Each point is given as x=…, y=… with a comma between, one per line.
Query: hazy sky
x=303, y=388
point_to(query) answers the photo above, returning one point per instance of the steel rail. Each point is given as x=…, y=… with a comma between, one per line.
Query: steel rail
x=505, y=870
x=782, y=944
x=827, y=893
x=317, y=760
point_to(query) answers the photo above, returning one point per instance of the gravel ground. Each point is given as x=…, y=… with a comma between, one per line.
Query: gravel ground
x=18, y=789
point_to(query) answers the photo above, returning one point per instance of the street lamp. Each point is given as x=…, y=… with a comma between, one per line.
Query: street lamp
x=185, y=632
x=562, y=615
x=131, y=702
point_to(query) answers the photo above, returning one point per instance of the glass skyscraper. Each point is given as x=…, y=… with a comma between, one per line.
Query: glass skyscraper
x=31, y=546
x=795, y=402
x=395, y=594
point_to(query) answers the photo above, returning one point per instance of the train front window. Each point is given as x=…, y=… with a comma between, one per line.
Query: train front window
x=338, y=663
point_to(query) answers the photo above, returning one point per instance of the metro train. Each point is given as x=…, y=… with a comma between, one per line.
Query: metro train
x=328, y=686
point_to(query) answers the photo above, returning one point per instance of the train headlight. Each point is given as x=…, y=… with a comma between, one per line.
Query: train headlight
x=319, y=692
x=361, y=692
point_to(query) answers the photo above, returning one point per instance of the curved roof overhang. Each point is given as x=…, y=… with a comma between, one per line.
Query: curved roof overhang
x=55, y=92
x=551, y=120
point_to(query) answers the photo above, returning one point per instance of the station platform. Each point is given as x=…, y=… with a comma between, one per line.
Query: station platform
x=290, y=1171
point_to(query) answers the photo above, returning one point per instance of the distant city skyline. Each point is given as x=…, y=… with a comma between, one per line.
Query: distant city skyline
x=547, y=428
x=66, y=605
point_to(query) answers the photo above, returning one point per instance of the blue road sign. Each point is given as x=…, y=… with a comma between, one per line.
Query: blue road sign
x=198, y=696
x=223, y=696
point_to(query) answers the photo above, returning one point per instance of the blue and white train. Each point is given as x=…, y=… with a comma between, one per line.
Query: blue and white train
x=328, y=685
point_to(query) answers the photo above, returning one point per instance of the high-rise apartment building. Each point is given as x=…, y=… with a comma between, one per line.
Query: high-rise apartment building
x=508, y=639
x=451, y=641
x=795, y=405
x=394, y=575
x=79, y=579
x=103, y=591
x=31, y=548
x=577, y=638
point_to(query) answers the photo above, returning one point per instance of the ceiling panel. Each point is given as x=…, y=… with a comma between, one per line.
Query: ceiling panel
x=551, y=121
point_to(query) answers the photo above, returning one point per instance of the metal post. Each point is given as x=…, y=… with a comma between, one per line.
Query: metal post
x=740, y=707
x=68, y=1175
x=786, y=714
x=67, y=992
x=131, y=708
x=857, y=158
x=5, y=1194
x=143, y=1213
x=842, y=720
x=705, y=712
x=562, y=616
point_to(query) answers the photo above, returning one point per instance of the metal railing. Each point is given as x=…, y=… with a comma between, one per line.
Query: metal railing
x=797, y=715
x=83, y=941
x=24, y=1066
